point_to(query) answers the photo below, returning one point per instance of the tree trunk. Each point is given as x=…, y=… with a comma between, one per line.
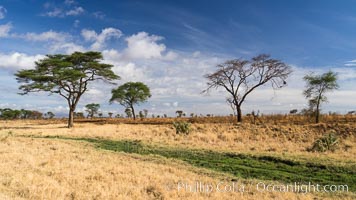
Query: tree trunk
x=133, y=112
x=317, y=113
x=70, y=118
x=239, y=114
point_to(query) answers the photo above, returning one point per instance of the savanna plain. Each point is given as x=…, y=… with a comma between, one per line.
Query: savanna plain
x=147, y=159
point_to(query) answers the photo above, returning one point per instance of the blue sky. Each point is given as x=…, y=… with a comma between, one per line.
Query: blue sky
x=170, y=45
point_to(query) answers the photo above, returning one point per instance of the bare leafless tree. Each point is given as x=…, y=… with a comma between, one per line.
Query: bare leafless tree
x=240, y=77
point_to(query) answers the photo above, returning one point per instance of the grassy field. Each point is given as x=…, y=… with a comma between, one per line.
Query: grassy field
x=113, y=159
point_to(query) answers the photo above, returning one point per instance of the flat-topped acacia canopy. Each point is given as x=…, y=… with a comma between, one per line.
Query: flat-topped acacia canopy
x=66, y=75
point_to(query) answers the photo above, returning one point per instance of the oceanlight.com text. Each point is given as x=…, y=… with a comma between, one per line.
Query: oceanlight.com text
x=296, y=187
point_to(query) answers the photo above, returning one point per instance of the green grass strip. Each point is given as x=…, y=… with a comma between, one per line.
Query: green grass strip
x=241, y=165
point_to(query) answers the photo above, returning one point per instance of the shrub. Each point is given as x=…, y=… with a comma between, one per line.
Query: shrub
x=182, y=127
x=328, y=142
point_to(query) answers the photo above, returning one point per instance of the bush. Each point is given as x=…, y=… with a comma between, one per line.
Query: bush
x=328, y=142
x=182, y=127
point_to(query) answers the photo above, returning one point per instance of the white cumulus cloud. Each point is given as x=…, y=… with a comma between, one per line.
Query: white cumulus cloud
x=16, y=60
x=100, y=39
x=127, y=70
x=143, y=45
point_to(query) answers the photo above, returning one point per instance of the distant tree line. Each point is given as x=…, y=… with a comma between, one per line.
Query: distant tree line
x=8, y=113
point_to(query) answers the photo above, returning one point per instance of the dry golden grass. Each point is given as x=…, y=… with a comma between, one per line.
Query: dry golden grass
x=61, y=169
x=283, y=140
x=57, y=169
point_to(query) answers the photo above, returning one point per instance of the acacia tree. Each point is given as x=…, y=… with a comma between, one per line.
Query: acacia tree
x=145, y=112
x=128, y=112
x=240, y=77
x=50, y=115
x=129, y=94
x=79, y=115
x=317, y=86
x=110, y=114
x=66, y=75
x=179, y=113
x=92, y=109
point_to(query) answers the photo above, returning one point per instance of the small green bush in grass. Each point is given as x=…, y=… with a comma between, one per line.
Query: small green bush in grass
x=328, y=142
x=182, y=127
